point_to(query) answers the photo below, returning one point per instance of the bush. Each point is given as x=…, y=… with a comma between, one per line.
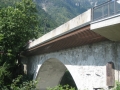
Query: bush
x=28, y=85
x=60, y=87
x=117, y=86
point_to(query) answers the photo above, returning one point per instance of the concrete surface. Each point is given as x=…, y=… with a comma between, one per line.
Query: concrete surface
x=108, y=27
x=87, y=65
x=67, y=27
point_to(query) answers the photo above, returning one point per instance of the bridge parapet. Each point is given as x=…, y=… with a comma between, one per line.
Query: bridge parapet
x=106, y=20
x=64, y=29
x=107, y=9
x=97, y=27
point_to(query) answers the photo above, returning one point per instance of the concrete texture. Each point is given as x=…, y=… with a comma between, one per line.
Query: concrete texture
x=50, y=73
x=87, y=65
x=108, y=27
x=67, y=27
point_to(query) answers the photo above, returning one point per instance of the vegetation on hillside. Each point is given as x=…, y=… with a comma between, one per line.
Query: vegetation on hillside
x=6, y=3
x=63, y=10
x=46, y=22
x=60, y=10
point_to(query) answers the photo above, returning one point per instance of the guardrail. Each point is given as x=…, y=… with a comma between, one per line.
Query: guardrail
x=109, y=8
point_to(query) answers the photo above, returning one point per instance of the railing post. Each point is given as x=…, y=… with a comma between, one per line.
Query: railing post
x=102, y=12
x=114, y=7
x=108, y=8
x=92, y=14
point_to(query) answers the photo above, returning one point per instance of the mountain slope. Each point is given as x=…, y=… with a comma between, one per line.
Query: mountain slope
x=64, y=10
x=53, y=13
x=46, y=23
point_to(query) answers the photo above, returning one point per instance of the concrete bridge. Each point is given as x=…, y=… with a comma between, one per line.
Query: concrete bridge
x=87, y=46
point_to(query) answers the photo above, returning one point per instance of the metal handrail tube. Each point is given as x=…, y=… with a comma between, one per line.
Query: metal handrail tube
x=101, y=4
x=106, y=9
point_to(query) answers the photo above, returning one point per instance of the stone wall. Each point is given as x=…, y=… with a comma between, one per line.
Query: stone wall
x=87, y=64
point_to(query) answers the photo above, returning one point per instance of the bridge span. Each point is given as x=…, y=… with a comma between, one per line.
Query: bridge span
x=88, y=46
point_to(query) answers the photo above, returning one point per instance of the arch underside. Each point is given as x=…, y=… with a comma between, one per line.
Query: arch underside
x=50, y=74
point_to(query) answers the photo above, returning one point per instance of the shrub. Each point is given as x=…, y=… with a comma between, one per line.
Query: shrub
x=28, y=85
x=117, y=86
x=60, y=87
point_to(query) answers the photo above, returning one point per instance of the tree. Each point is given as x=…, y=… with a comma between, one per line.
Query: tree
x=18, y=24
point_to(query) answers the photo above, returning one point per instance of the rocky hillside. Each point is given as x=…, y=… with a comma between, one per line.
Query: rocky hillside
x=53, y=13
x=64, y=10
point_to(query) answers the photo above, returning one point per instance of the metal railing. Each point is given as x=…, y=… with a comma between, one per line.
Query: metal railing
x=109, y=8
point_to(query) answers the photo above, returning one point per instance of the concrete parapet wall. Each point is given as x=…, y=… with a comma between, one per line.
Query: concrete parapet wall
x=108, y=27
x=61, y=30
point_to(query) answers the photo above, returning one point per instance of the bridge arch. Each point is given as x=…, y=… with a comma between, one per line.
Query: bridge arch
x=50, y=73
x=87, y=64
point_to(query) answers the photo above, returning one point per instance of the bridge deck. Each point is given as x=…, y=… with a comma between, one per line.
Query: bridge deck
x=106, y=20
x=76, y=38
x=74, y=33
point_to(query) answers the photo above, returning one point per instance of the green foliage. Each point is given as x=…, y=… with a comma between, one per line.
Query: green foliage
x=46, y=22
x=59, y=87
x=4, y=73
x=1, y=37
x=117, y=86
x=28, y=85
x=61, y=10
x=18, y=24
x=68, y=80
x=6, y=3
